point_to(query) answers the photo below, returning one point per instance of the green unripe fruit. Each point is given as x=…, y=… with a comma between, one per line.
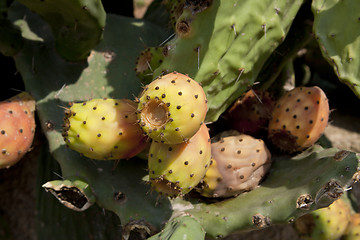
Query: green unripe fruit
x=172, y=108
x=326, y=223
x=174, y=169
x=104, y=129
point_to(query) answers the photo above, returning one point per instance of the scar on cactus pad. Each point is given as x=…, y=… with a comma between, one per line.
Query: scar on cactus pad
x=299, y=119
x=17, y=128
x=175, y=169
x=239, y=164
x=104, y=129
x=172, y=108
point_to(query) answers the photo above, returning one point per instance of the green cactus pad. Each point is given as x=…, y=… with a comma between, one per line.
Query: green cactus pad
x=226, y=44
x=77, y=25
x=182, y=227
x=340, y=45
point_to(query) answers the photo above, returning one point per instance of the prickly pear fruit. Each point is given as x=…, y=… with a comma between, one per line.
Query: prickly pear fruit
x=299, y=119
x=250, y=113
x=17, y=128
x=239, y=164
x=104, y=129
x=174, y=169
x=172, y=108
x=326, y=223
x=148, y=60
x=353, y=230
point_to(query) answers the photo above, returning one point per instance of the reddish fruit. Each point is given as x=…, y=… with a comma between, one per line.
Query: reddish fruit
x=17, y=128
x=250, y=114
x=299, y=119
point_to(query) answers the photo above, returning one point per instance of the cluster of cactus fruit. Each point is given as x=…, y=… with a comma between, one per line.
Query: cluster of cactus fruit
x=220, y=154
x=169, y=115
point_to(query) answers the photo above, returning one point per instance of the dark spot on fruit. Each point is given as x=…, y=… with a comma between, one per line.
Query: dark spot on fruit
x=156, y=88
x=159, y=160
x=240, y=140
x=307, y=136
x=179, y=93
x=322, y=119
x=241, y=176
x=297, y=126
x=284, y=126
x=120, y=133
x=78, y=135
x=74, y=114
x=3, y=151
x=294, y=116
x=94, y=108
x=163, y=95
x=287, y=109
x=192, y=115
x=201, y=152
x=289, y=95
x=229, y=166
x=191, y=175
x=11, y=112
x=309, y=92
x=168, y=104
x=116, y=147
x=178, y=107
x=103, y=118
x=317, y=102
x=222, y=149
x=116, y=103
x=298, y=100
x=188, y=80
x=177, y=129
x=257, y=150
x=238, y=152
x=186, y=162
x=25, y=112
x=172, y=81
x=99, y=135
x=196, y=96
x=253, y=164
x=84, y=103
x=2, y=132
x=170, y=149
x=170, y=119
x=311, y=121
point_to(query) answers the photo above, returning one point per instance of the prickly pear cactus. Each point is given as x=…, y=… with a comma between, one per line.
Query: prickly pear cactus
x=175, y=169
x=225, y=56
x=104, y=129
x=17, y=128
x=225, y=44
x=172, y=108
x=353, y=229
x=325, y=224
x=299, y=119
x=339, y=44
x=241, y=162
